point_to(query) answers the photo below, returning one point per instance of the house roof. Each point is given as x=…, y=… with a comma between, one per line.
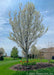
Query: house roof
x=51, y=49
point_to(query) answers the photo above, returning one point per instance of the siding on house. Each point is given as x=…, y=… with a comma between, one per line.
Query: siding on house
x=47, y=53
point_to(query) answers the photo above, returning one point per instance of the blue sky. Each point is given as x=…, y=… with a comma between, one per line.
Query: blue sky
x=46, y=8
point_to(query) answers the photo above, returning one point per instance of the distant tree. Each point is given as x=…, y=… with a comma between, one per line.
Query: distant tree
x=2, y=51
x=34, y=51
x=27, y=26
x=14, y=52
x=5, y=55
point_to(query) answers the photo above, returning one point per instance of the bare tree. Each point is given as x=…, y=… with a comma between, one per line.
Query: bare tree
x=27, y=27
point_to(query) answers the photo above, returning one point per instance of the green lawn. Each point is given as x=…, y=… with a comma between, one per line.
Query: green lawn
x=6, y=64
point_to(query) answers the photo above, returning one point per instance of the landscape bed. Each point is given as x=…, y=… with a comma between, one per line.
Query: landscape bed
x=19, y=67
x=6, y=64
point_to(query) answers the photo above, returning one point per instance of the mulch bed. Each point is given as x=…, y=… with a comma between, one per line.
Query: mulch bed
x=31, y=67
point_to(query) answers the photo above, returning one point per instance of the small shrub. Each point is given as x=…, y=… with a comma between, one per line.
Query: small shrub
x=1, y=58
x=29, y=63
x=20, y=57
x=20, y=67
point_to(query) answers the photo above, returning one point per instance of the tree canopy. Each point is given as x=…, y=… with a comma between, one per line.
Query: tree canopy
x=27, y=27
x=14, y=52
x=2, y=51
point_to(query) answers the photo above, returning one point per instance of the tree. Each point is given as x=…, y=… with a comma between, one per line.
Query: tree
x=5, y=55
x=24, y=54
x=2, y=51
x=27, y=27
x=14, y=52
x=34, y=51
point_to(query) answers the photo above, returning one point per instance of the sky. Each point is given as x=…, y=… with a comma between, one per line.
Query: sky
x=45, y=7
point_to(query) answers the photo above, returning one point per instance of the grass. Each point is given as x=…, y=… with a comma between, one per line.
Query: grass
x=51, y=61
x=8, y=62
x=9, y=58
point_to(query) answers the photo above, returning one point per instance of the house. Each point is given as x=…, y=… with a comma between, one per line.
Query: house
x=47, y=53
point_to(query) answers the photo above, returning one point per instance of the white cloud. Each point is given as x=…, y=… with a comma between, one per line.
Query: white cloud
x=1, y=28
x=44, y=12
x=4, y=4
x=3, y=20
x=5, y=28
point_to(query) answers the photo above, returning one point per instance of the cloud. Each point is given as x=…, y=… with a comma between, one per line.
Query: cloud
x=5, y=28
x=44, y=12
x=8, y=45
x=1, y=28
x=3, y=20
x=4, y=5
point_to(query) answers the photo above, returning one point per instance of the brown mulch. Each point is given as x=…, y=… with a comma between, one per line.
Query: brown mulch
x=31, y=67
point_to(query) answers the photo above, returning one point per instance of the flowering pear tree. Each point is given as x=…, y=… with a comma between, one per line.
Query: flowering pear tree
x=27, y=27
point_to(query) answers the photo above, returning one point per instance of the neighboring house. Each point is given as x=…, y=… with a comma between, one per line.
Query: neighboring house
x=47, y=53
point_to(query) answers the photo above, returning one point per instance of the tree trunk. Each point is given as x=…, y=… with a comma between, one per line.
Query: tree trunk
x=27, y=48
x=27, y=55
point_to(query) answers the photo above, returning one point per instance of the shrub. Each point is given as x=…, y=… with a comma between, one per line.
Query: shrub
x=29, y=63
x=20, y=57
x=52, y=57
x=1, y=58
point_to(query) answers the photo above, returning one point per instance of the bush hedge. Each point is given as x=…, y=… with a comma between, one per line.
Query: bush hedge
x=1, y=58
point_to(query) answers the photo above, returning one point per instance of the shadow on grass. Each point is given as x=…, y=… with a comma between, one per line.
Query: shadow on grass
x=25, y=73
x=21, y=73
